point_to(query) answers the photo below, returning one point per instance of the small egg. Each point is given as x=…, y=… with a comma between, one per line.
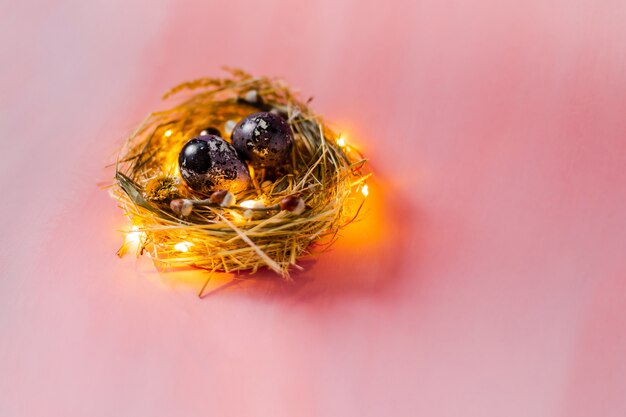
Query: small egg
x=211, y=131
x=265, y=139
x=208, y=163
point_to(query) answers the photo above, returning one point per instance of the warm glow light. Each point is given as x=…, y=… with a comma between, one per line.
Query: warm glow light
x=365, y=190
x=341, y=141
x=133, y=237
x=168, y=133
x=248, y=204
x=183, y=246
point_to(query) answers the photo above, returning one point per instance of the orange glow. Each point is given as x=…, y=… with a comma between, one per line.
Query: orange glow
x=237, y=218
x=170, y=166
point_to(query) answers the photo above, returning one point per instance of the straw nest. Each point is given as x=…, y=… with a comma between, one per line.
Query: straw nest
x=323, y=171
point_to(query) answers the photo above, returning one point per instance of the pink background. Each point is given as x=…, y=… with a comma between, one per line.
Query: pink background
x=488, y=280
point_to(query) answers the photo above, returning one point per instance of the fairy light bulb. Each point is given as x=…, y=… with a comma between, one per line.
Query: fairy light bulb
x=249, y=204
x=183, y=246
x=168, y=133
x=134, y=236
x=133, y=239
x=341, y=141
x=365, y=190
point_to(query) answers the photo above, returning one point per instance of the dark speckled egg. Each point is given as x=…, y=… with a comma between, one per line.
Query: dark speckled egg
x=211, y=131
x=208, y=163
x=264, y=139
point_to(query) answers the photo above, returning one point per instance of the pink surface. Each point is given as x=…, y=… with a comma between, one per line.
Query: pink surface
x=488, y=280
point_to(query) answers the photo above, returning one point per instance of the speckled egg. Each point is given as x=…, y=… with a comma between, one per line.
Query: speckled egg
x=265, y=139
x=211, y=131
x=208, y=163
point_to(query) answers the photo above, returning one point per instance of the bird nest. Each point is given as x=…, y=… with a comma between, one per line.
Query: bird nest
x=257, y=229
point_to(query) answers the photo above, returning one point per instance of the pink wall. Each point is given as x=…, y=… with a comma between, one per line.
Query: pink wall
x=488, y=280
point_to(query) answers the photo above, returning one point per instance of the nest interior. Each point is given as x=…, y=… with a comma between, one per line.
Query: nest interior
x=322, y=171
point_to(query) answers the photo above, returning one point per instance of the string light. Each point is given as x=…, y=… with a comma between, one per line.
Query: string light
x=134, y=236
x=365, y=190
x=183, y=246
x=341, y=141
x=250, y=204
x=133, y=239
x=168, y=133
